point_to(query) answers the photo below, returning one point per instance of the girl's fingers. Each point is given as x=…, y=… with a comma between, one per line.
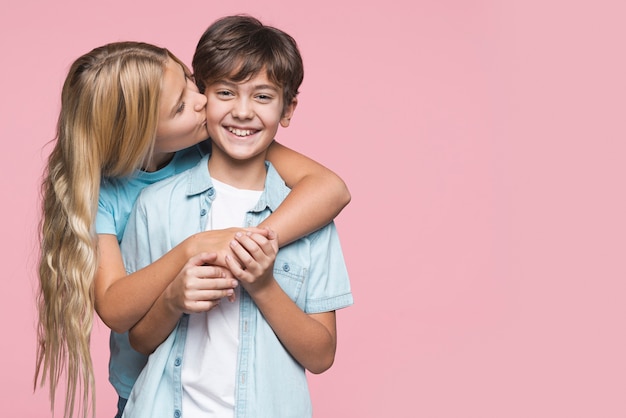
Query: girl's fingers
x=215, y=284
x=210, y=272
x=212, y=295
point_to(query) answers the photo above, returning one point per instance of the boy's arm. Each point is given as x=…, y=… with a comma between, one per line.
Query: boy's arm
x=310, y=338
x=317, y=195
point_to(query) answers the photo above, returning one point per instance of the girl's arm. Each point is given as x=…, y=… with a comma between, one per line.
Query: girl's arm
x=122, y=300
x=316, y=198
x=310, y=338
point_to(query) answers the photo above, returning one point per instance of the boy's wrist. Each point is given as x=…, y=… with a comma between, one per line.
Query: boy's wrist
x=263, y=291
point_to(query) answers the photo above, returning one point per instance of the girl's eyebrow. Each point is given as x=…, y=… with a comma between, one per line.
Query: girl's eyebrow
x=180, y=98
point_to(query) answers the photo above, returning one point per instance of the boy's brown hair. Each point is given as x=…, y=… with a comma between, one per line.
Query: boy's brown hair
x=239, y=47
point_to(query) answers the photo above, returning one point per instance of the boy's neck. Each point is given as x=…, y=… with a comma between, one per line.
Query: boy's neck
x=246, y=174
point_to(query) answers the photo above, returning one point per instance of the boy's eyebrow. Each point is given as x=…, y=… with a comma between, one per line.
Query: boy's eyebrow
x=265, y=87
x=230, y=83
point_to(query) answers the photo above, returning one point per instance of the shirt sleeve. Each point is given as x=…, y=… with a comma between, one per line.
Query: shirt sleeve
x=135, y=245
x=105, y=218
x=329, y=286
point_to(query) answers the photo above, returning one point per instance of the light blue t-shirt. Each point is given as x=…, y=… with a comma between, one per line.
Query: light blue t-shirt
x=312, y=271
x=116, y=201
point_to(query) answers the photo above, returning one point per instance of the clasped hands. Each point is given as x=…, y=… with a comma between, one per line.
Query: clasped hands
x=223, y=260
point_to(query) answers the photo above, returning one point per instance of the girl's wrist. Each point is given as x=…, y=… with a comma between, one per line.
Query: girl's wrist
x=189, y=248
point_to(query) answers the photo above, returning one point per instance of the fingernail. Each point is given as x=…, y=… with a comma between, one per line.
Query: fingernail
x=238, y=234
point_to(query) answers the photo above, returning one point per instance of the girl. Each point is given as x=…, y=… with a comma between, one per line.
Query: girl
x=126, y=110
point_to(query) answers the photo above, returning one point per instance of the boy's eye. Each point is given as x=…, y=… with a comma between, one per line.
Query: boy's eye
x=181, y=107
x=224, y=93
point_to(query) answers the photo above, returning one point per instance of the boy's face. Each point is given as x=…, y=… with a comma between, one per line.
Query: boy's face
x=242, y=118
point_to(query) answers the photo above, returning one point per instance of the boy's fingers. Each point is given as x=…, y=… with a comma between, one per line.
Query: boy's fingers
x=242, y=253
x=271, y=234
x=260, y=231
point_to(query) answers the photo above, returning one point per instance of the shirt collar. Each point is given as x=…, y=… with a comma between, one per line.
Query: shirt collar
x=199, y=181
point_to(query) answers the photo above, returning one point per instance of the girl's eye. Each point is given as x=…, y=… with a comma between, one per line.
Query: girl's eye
x=181, y=108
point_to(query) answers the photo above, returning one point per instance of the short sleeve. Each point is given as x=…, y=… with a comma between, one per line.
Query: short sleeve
x=329, y=286
x=135, y=245
x=105, y=218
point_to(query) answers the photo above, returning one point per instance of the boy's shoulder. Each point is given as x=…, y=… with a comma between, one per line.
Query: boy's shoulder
x=275, y=186
x=175, y=184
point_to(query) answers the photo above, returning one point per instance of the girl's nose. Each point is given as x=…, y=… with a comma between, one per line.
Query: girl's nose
x=200, y=102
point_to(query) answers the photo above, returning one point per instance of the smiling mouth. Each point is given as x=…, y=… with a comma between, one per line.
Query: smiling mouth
x=241, y=132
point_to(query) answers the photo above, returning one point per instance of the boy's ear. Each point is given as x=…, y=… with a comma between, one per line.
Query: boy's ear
x=288, y=113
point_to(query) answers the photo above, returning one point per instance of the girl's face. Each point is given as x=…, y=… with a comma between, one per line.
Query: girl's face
x=182, y=116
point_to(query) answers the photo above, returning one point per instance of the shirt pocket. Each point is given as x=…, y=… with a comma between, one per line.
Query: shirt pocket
x=291, y=278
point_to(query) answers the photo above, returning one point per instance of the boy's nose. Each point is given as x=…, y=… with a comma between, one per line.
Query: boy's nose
x=242, y=109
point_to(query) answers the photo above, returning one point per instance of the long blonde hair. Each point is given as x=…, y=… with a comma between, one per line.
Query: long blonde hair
x=106, y=128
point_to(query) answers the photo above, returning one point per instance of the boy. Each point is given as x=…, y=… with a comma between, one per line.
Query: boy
x=247, y=357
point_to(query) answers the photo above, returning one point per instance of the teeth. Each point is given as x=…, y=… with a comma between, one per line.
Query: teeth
x=240, y=132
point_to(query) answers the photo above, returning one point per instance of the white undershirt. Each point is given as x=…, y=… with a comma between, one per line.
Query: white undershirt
x=210, y=357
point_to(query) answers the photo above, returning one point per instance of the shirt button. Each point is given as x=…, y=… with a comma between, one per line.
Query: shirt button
x=177, y=414
x=203, y=212
x=211, y=191
x=286, y=267
x=177, y=362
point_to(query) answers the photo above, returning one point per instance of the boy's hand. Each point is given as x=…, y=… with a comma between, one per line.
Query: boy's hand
x=200, y=286
x=255, y=255
x=218, y=241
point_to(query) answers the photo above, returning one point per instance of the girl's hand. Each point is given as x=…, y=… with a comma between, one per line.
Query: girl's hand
x=255, y=255
x=200, y=286
x=217, y=241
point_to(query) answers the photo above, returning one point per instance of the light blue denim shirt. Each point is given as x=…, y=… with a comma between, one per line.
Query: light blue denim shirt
x=116, y=201
x=312, y=271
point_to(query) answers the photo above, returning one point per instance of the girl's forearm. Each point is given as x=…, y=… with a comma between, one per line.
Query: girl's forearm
x=318, y=195
x=154, y=327
x=129, y=297
x=122, y=300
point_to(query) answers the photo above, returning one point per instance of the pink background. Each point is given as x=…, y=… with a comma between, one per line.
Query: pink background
x=483, y=143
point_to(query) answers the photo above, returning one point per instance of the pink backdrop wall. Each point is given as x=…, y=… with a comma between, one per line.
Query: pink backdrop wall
x=483, y=142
